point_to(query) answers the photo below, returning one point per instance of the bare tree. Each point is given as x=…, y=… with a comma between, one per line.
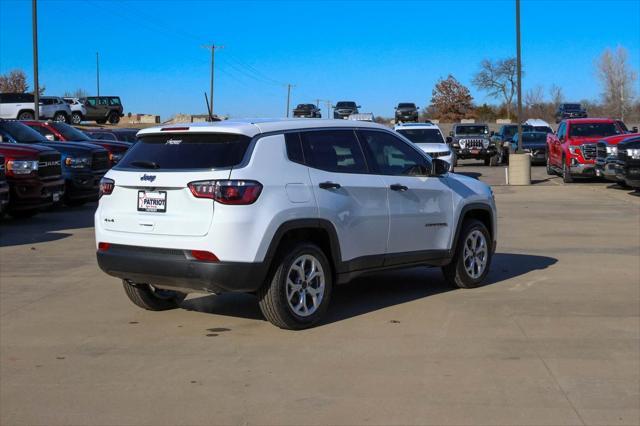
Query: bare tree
x=617, y=78
x=451, y=100
x=534, y=101
x=15, y=81
x=78, y=93
x=557, y=96
x=498, y=79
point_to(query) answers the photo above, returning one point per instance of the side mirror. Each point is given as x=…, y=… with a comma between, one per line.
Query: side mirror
x=440, y=167
x=449, y=139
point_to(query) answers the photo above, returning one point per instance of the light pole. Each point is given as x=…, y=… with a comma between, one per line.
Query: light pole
x=519, y=74
x=98, y=72
x=36, y=85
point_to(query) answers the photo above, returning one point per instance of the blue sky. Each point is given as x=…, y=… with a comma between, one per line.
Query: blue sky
x=375, y=52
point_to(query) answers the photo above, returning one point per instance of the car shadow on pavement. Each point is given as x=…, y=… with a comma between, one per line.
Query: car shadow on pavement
x=377, y=291
x=45, y=226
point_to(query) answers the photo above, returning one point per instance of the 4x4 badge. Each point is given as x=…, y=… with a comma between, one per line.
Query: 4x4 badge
x=147, y=177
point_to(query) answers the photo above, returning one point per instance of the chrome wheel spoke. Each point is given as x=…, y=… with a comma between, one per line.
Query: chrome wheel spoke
x=305, y=285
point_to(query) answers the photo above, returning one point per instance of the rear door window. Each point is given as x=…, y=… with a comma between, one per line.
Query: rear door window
x=333, y=151
x=186, y=151
x=392, y=156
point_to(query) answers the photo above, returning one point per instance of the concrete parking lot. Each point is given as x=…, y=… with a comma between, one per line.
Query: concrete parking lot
x=552, y=339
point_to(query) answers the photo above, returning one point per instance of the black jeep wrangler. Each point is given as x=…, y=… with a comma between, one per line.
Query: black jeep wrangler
x=473, y=141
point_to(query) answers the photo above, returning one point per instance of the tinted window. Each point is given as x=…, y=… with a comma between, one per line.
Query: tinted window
x=545, y=129
x=91, y=101
x=593, y=129
x=44, y=131
x=334, y=151
x=392, y=156
x=561, y=130
x=102, y=101
x=9, y=98
x=346, y=105
x=186, y=151
x=422, y=135
x=401, y=105
x=294, y=147
x=532, y=137
x=70, y=133
x=114, y=101
x=571, y=107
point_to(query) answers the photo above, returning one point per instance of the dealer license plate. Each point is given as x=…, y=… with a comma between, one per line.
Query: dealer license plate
x=152, y=201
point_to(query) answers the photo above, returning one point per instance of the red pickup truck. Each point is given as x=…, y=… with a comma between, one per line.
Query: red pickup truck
x=572, y=150
x=34, y=174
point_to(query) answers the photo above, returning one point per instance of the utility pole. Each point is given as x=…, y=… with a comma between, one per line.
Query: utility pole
x=328, y=108
x=98, y=72
x=519, y=72
x=318, y=103
x=36, y=85
x=213, y=48
x=289, y=86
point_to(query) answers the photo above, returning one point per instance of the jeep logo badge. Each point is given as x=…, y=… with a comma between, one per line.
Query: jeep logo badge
x=147, y=177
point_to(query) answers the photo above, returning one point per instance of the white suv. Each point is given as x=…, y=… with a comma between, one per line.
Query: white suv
x=284, y=209
x=428, y=137
x=21, y=106
x=78, y=110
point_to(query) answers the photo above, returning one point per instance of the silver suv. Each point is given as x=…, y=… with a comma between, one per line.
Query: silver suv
x=285, y=209
x=21, y=106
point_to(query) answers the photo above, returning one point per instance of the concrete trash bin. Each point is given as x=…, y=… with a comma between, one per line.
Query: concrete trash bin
x=519, y=169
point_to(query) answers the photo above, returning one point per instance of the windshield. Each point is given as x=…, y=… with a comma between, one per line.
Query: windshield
x=471, y=130
x=70, y=133
x=422, y=135
x=545, y=129
x=187, y=151
x=406, y=105
x=346, y=105
x=572, y=107
x=591, y=130
x=22, y=133
x=532, y=137
x=510, y=131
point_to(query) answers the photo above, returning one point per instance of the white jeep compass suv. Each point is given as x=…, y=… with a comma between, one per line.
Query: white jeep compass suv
x=285, y=209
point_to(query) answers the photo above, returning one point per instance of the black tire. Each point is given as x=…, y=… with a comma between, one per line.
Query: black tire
x=493, y=161
x=550, y=170
x=26, y=115
x=455, y=272
x=101, y=121
x=114, y=118
x=23, y=214
x=60, y=117
x=272, y=297
x=76, y=117
x=566, y=174
x=151, y=299
x=487, y=161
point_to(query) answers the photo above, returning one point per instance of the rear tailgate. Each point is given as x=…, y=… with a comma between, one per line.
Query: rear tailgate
x=183, y=214
x=151, y=192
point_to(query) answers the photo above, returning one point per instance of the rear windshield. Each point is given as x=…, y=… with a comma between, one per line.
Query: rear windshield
x=471, y=130
x=533, y=137
x=545, y=129
x=21, y=132
x=186, y=151
x=422, y=135
x=588, y=130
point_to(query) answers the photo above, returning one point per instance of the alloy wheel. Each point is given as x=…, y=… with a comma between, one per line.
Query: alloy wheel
x=305, y=285
x=475, y=254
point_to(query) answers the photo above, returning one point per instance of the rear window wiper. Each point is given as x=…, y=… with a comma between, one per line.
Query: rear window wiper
x=145, y=164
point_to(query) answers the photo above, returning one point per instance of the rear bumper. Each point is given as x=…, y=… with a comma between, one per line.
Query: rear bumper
x=174, y=269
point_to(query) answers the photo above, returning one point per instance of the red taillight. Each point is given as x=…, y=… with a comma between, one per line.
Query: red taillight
x=103, y=246
x=236, y=192
x=204, y=255
x=106, y=186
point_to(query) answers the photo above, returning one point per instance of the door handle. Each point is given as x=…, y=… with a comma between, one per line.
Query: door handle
x=329, y=185
x=398, y=187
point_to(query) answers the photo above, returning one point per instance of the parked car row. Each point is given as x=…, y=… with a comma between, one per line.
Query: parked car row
x=47, y=163
x=101, y=109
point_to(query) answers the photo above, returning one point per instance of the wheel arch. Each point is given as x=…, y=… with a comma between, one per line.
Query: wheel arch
x=25, y=110
x=319, y=231
x=478, y=211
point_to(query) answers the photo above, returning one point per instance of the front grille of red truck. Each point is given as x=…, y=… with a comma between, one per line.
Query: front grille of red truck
x=589, y=151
